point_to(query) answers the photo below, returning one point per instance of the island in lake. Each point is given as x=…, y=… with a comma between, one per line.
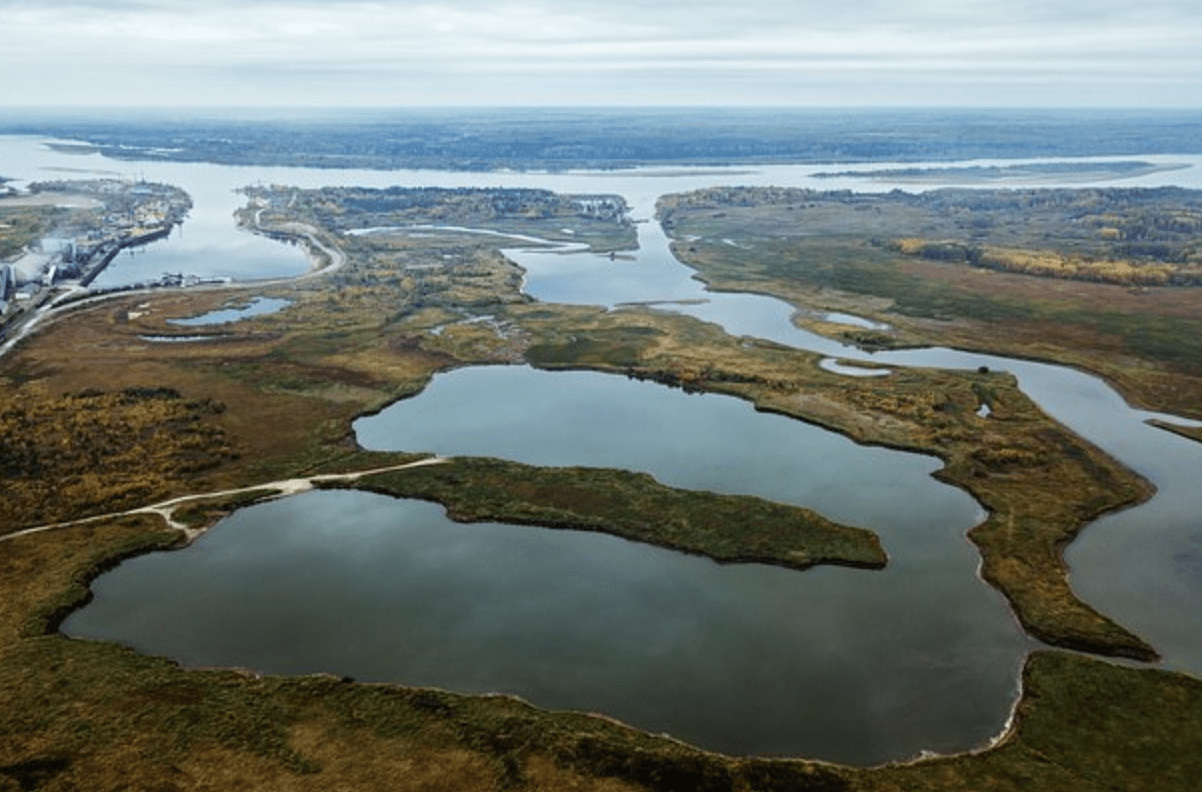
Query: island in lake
x=137, y=419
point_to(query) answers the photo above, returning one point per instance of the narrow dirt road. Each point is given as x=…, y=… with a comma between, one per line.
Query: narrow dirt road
x=166, y=509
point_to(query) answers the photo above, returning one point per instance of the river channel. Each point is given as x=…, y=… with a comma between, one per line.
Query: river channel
x=846, y=665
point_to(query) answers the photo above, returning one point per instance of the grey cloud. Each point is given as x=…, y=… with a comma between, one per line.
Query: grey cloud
x=611, y=51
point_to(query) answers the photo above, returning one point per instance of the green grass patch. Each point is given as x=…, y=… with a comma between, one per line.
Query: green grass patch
x=616, y=347
x=726, y=528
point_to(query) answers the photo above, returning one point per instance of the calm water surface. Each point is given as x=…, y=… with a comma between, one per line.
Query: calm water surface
x=260, y=306
x=850, y=665
x=746, y=658
x=840, y=664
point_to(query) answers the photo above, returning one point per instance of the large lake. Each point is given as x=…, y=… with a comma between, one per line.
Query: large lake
x=743, y=658
x=840, y=664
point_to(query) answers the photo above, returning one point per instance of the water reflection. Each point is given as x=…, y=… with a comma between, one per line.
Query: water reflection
x=260, y=306
x=850, y=666
x=743, y=658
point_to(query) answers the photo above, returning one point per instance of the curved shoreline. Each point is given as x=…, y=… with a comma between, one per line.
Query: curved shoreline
x=333, y=256
x=1131, y=399
x=471, y=490
x=283, y=488
x=1004, y=736
x=596, y=745
x=1055, y=614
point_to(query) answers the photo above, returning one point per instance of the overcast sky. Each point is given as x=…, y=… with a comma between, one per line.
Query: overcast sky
x=602, y=52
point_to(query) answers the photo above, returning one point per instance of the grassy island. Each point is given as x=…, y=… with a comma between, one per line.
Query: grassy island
x=1041, y=483
x=726, y=528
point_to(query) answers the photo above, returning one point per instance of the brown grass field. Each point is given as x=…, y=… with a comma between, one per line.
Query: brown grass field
x=836, y=253
x=273, y=398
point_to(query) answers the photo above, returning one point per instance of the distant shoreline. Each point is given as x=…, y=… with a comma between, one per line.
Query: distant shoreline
x=534, y=139
x=1033, y=173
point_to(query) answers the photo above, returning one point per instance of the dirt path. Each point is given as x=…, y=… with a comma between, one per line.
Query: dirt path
x=337, y=258
x=284, y=488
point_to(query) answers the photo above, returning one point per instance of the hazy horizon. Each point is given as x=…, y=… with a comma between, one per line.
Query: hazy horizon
x=587, y=53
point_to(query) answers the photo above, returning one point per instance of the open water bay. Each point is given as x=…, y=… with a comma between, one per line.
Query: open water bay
x=850, y=665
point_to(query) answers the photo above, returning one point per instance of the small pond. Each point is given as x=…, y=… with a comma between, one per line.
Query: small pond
x=260, y=306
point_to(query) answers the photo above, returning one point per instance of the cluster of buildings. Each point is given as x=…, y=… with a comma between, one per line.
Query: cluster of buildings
x=22, y=278
x=48, y=261
x=130, y=214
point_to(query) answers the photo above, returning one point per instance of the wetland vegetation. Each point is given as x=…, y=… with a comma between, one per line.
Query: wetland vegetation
x=274, y=398
x=727, y=528
x=1100, y=279
x=85, y=714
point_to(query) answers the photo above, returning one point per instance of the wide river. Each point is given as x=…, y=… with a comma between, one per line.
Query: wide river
x=846, y=665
